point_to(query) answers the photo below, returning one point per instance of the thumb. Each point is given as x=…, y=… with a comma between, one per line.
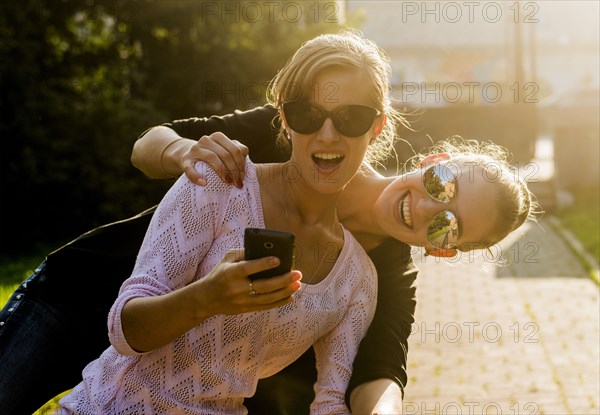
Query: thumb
x=192, y=174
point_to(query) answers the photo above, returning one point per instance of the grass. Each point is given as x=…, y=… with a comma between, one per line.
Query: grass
x=13, y=271
x=51, y=406
x=582, y=218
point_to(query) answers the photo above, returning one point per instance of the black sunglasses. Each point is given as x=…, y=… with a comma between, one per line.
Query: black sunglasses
x=349, y=120
x=440, y=183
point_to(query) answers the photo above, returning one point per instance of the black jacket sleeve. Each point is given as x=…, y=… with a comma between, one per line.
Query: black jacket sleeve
x=383, y=351
x=256, y=128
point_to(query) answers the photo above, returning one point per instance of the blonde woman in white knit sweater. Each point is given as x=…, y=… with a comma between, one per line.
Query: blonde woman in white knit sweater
x=166, y=355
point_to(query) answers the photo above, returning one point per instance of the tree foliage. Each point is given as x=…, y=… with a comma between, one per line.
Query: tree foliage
x=80, y=81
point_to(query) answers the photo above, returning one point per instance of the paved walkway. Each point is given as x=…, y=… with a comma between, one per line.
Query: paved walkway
x=522, y=338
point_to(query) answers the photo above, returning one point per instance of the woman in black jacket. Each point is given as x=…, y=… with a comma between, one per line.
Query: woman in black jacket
x=42, y=355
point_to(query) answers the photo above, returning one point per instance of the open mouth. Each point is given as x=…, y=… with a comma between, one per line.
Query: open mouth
x=327, y=161
x=404, y=210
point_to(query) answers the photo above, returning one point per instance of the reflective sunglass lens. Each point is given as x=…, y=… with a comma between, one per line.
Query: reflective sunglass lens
x=442, y=231
x=440, y=182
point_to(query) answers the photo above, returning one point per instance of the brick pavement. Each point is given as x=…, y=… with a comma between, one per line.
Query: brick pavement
x=522, y=338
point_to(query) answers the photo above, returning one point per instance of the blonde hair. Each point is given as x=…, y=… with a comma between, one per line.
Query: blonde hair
x=347, y=49
x=515, y=202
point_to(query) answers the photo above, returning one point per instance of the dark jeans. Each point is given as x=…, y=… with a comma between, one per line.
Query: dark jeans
x=43, y=348
x=55, y=324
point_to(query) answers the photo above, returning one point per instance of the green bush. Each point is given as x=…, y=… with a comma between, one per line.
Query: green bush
x=81, y=80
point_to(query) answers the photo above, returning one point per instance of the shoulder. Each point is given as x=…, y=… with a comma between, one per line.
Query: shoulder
x=215, y=184
x=216, y=191
x=391, y=256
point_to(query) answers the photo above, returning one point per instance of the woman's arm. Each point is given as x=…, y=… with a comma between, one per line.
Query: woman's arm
x=382, y=396
x=152, y=322
x=159, y=151
x=163, y=298
x=168, y=150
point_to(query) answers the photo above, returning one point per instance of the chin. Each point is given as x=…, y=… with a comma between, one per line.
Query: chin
x=327, y=188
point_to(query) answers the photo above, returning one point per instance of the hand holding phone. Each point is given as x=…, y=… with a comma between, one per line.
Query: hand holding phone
x=259, y=243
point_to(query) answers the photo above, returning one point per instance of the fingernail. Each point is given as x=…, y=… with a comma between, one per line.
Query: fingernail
x=297, y=276
x=228, y=179
x=201, y=182
x=238, y=183
x=274, y=260
x=296, y=286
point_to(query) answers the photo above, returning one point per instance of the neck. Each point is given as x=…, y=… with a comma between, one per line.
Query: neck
x=356, y=207
x=302, y=203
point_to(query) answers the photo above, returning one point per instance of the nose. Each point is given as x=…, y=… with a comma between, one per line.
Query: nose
x=426, y=208
x=328, y=133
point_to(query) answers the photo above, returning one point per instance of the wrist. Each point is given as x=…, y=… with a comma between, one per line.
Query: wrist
x=196, y=301
x=172, y=155
x=380, y=396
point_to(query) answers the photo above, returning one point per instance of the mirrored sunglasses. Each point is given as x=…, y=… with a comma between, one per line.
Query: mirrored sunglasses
x=440, y=183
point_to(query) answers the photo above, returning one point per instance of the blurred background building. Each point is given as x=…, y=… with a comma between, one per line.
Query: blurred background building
x=523, y=74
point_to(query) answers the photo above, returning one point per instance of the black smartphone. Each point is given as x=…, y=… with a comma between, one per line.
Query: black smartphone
x=259, y=243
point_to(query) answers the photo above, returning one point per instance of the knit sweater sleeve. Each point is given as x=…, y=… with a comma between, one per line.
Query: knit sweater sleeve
x=336, y=350
x=180, y=233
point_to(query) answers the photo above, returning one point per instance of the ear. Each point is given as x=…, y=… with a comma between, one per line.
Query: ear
x=434, y=158
x=442, y=253
x=378, y=127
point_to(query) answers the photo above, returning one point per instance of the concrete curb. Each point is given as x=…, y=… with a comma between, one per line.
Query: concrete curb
x=586, y=258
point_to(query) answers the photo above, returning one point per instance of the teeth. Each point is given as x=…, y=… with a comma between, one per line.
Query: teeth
x=404, y=209
x=328, y=156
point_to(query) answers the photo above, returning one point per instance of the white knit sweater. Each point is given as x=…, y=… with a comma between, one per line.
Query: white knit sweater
x=211, y=368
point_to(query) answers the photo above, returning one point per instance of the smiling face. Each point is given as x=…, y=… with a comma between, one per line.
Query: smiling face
x=326, y=159
x=406, y=211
